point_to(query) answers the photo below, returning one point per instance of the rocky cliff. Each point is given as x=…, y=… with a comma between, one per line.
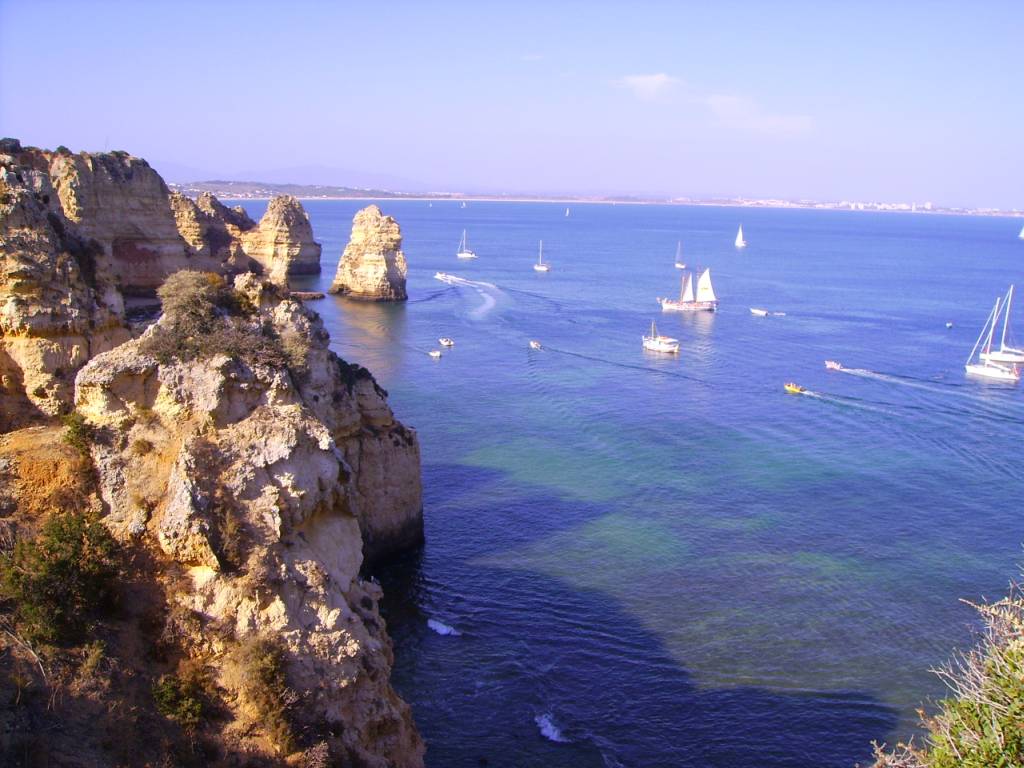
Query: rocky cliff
x=80, y=232
x=373, y=266
x=259, y=477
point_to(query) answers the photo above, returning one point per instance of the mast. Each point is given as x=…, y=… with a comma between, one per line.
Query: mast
x=1006, y=317
x=992, y=330
x=984, y=328
x=540, y=253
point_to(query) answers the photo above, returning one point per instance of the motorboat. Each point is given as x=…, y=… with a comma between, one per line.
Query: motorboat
x=444, y=341
x=832, y=365
x=793, y=389
x=435, y=353
x=534, y=344
x=758, y=312
x=949, y=325
x=655, y=342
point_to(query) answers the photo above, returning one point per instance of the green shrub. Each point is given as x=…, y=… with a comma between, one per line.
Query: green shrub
x=261, y=666
x=982, y=724
x=61, y=580
x=180, y=699
x=78, y=432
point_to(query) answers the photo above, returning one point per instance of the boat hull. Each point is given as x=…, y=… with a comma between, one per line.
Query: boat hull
x=668, y=305
x=465, y=255
x=759, y=312
x=541, y=268
x=993, y=372
x=661, y=344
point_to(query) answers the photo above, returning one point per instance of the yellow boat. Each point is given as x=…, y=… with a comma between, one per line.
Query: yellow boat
x=793, y=389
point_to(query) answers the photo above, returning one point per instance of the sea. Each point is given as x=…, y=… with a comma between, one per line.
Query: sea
x=639, y=559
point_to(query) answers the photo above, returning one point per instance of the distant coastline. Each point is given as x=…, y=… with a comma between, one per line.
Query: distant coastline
x=254, y=190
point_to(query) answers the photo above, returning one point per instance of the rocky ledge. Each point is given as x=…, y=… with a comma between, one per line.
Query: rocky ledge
x=373, y=267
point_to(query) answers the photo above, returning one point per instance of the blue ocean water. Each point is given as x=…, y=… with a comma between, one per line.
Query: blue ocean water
x=661, y=561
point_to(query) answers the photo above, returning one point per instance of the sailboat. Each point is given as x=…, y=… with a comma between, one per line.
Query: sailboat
x=740, y=242
x=540, y=266
x=705, y=300
x=985, y=368
x=566, y=213
x=679, y=255
x=1021, y=235
x=1005, y=353
x=655, y=342
x=464, y=252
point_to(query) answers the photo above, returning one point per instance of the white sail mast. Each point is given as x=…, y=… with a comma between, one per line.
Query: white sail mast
x=990, y=319
x=1006, y=317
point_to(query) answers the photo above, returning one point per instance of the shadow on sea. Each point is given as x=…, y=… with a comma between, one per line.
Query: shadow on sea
x=532, y=646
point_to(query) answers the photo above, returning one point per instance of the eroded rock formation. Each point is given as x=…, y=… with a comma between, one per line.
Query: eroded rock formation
x=80, y=232
x=373, y=266
x=262, y=484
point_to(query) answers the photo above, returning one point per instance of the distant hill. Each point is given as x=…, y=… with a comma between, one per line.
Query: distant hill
x=265, y=189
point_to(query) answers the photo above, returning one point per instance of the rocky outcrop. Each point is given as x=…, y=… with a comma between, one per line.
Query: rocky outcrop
x=283, y=241
x=373, y=266
x=58, y=305
x=262, y=485
x=80, y=232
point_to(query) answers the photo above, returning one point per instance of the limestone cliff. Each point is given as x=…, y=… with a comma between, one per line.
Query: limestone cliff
x=80, y=232
x=261, y=484
x=373, y=266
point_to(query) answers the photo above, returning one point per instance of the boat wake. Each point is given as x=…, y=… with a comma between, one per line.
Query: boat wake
x=673, y=374
x=487, y=291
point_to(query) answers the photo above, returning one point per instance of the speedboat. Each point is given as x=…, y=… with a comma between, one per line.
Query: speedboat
x=949, y=325
x=655, y=342
x=832, y=365
x=534, y=344
x=442, y=276
x=435, y=353
x=444, y=341
x=793, y=389
x=758, y=312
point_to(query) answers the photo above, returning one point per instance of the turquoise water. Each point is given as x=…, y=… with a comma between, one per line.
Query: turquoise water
x=656, y=561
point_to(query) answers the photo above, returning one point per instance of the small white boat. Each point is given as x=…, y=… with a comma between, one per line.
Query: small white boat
x=949, y=325
x=986, y=367
x=655, y=342
x=832, y=365
x=464, y=252
x=540, y=266
x=740, y=242
x=444, y=341
x=534, y=344
x=1006, y=353
x=704, y=301
x=758, y=312
x=444, y=277
x=435, y=353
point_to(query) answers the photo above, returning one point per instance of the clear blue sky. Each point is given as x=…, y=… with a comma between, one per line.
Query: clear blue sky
x=828, y=100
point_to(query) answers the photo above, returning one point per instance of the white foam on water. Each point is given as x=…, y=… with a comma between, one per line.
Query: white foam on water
x=441, y=628
x=548, y=729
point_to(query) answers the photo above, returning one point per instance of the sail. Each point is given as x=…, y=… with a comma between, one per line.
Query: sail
x=462, y=242
x=740, y=242
x=1021, y=235
x=704, y=290
x=687, y=294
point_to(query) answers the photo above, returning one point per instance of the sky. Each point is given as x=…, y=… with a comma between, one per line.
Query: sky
x=908, y=101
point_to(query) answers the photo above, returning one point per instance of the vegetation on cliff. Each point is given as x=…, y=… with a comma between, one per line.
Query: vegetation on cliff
x=981, y=725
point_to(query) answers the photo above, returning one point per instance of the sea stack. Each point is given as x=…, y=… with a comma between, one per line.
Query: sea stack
x=372, y=268
x=283, y=241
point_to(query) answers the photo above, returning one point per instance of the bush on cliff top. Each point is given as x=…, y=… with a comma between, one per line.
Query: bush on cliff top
x=204, y=316
x=982, y=724
x=61, y=580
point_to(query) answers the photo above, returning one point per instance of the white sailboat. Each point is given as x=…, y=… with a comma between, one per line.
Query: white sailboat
x=655, y=342
x=985, y=368
x=740, y=242
x=540, y=266
x=566, y=213
x=679, y=255
x=704, y=301
x=464, y=252
x=1006, y=353
x=1021, y=235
